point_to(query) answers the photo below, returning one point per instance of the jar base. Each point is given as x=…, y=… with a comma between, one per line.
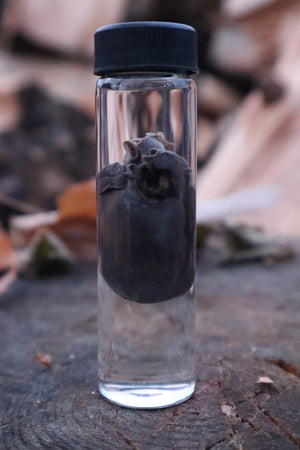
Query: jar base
x=146, y=396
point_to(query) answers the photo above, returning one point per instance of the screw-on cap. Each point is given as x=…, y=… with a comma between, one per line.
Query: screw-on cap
x=146, y=46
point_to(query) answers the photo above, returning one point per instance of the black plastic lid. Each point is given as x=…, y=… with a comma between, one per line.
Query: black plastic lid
x=145, y=47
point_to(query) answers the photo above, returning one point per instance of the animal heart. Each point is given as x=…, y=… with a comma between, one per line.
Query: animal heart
x=146, y=222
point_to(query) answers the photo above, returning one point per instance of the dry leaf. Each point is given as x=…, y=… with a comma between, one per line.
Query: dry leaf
x=244, y=7
x=74, y=223
x=265, y=380
x=242, y=201
x=8, y=261
x=79, y=201
x=46, y=255
x=7, y=252
x=45, y=360
x=266, y=384
x=23, y=228
x=260, y=147
x=228, y=410
x=241, y=243
x=79, y=234
x=38, y=22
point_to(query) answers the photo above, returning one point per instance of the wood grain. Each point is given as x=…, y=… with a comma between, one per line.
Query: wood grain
x=247, y=327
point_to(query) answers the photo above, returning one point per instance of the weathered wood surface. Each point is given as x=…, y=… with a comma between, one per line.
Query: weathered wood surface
x=247, y=326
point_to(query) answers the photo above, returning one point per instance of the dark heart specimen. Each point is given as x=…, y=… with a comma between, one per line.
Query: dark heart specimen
x=147, y=222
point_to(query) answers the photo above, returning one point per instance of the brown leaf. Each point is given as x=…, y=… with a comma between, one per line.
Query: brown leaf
x=45, y=360
x=79, y=234
x=7, y=252
x=261, y=146
x=79, y=201
x=74, y=223
x=8, y=261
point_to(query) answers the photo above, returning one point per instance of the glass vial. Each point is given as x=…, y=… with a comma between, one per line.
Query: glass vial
x=146, y=144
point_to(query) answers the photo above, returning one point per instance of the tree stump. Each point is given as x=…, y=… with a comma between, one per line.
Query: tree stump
x=247, y=327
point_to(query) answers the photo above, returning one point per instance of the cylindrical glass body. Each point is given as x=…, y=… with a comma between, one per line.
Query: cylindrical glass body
x=146, y=237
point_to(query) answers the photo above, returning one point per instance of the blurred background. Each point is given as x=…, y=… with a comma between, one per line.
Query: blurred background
x=248, y=112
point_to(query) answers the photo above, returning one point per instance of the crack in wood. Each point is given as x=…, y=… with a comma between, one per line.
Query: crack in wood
x=125, y=439
x=128, y=441
x=227, y=408
x=233, y=417
x=210, y=383
x=250, y=424
x=209, y=447
x=279, y=426
x=286, y=366
x=33, y=396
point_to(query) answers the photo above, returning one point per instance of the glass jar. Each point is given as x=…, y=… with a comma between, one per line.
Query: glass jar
x=146, y=144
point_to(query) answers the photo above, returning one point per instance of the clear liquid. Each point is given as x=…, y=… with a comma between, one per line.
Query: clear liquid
x=146, y=351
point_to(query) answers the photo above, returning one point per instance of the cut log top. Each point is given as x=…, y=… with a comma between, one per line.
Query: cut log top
x=248, y=367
